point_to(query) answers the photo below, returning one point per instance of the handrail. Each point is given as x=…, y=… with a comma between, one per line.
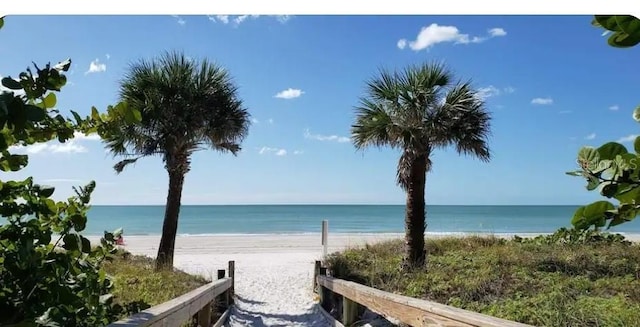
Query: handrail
x=412, y=311
x=195, y=304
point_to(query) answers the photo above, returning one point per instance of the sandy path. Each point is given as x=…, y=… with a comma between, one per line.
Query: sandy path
x=273, y=272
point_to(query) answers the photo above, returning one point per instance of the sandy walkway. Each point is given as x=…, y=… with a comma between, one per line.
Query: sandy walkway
x=273, y=272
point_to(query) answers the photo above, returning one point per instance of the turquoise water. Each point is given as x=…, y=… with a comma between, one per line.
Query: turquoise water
x=285, y=219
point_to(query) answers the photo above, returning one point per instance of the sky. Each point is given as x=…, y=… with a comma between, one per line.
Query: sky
x=551, y=83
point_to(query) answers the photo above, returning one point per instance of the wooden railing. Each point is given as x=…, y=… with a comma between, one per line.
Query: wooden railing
x=411, y=311
x=200, y=306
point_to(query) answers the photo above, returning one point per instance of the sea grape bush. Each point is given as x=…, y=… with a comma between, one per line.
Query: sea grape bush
x=625, y=29
x=611, y=168
x=50, y=274
x=575, y=237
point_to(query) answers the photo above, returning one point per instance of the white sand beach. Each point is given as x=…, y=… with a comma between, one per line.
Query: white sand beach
x=273, y=272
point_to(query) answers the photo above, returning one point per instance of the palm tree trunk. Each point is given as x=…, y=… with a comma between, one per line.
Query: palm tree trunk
x=415, y=254
x=164, y=259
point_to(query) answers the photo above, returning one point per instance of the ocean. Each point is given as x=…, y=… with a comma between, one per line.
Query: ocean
x=297, y=219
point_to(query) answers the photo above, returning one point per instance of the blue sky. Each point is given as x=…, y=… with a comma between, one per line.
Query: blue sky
x=552, y=84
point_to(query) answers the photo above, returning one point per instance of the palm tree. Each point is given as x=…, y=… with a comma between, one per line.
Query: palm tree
x=419, y=110
x=185, y=107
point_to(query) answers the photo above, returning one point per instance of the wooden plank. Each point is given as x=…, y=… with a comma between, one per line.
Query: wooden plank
x=178, y=310
x=204, y=315
x=411, y=311
x=316, y=273
x=349, y=311
x=232, y=275
x=223, y=319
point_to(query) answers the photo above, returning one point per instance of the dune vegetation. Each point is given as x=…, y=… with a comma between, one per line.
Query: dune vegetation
x=547, y=281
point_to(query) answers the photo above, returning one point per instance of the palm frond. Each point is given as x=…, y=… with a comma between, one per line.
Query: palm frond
x=185, y=104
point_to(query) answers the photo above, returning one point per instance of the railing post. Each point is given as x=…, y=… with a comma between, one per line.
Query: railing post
x=204, y=316
x=349, y=311
x=325, y=238
x=232, y=289
x=325, y=293
x=316, y=273
x=222, y=298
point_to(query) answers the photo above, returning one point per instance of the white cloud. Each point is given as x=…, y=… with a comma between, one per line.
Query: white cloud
x=276, y=151
x=487, y=92
x=542, y=101
x=628, y=138
x=179, y=20
x=434, y=34
x=96, y=67
x=270, y=121
x=70, y=146
x=289, y=93
x=296, y=152
x=490, y=91
x=334, y=138
x=590, y=136
x=80, y=136
x=614, y=108
x=237, y=20
x=497, y=31
x=108, y=56
x=283, y=18
x=255, y=121
x=219, y=18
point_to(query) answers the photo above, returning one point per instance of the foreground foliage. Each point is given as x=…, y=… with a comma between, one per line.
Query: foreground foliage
x=49, y=273
x=560, y=280
x=612, y=168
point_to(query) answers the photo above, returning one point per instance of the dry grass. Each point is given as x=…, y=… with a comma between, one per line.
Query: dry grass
x=532, y=282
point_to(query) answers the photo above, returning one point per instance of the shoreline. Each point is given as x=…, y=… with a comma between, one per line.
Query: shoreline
x=309, y=243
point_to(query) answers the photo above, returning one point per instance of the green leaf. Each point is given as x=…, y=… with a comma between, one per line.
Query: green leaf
x=607, y=21
x=95, y=115
x=11, y=83
x=588, y=154
x=609, y=151
x=636, y=145
x=575, y=173
x=623, y=40
x=46, y=191
x=596, y=211
x=79, y=222
x=13, y=162
x=636, y=114
x=1, y=22
x=71, y=242
x=628, y=194
x=609, y=190
x=35, y=113
x=579, y=221
x=50, y=100
x=627, y=24
x=86, y=244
